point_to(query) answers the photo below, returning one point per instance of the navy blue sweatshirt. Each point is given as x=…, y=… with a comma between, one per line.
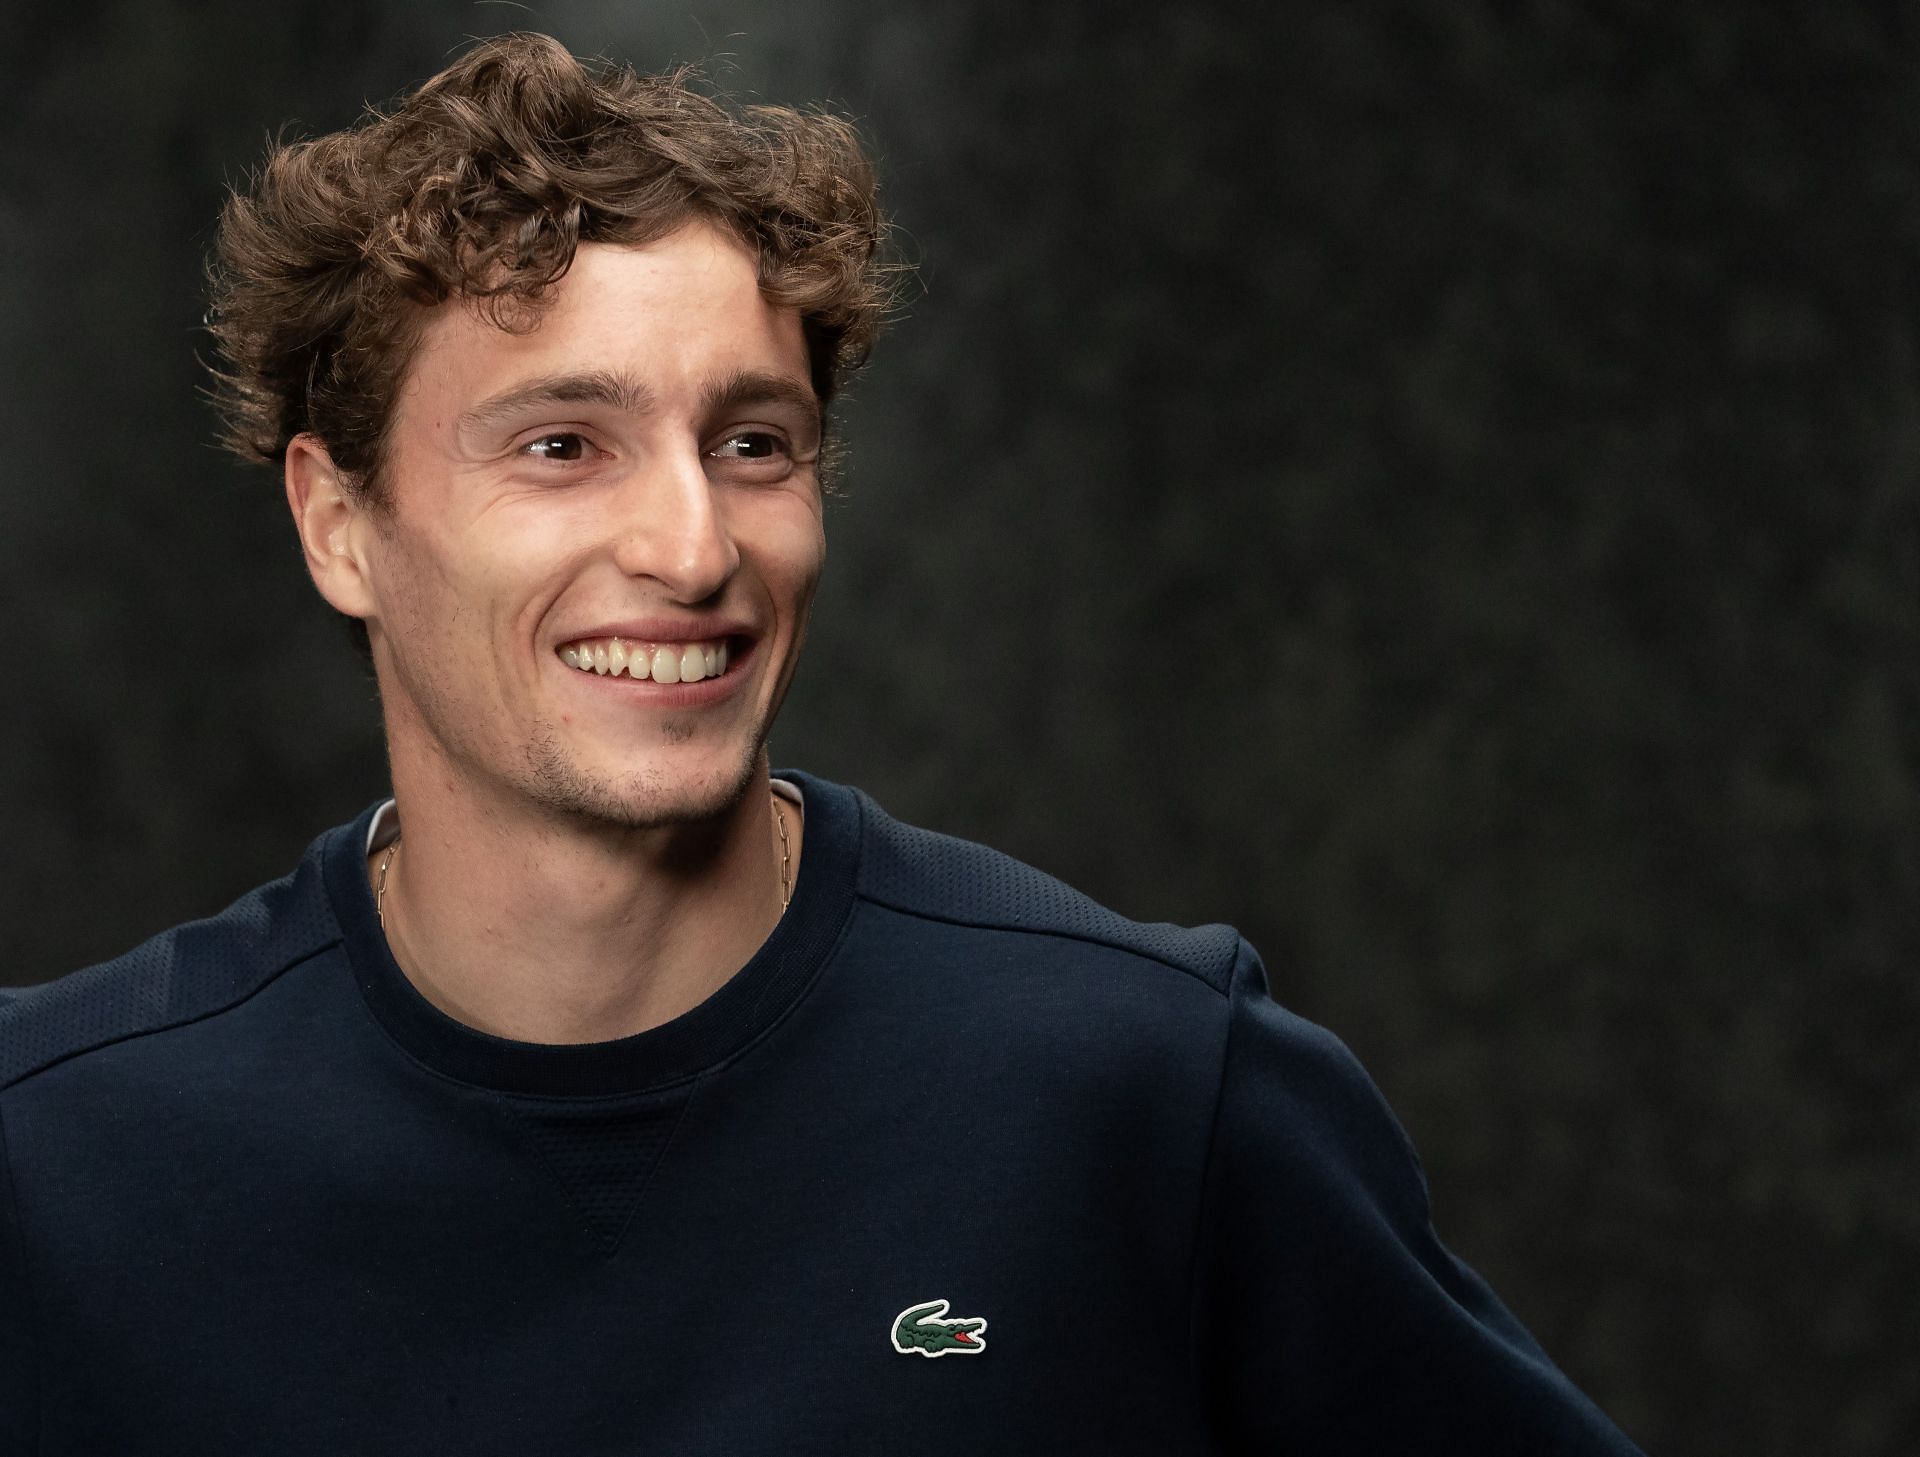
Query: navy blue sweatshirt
x=959, y=1161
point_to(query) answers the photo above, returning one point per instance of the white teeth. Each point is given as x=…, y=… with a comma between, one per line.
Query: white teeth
x=663, y=663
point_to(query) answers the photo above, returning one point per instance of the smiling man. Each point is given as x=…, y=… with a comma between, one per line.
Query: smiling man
x=601, y=1092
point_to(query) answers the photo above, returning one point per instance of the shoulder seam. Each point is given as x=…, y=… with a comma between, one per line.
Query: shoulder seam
x=982, y=924
x=170, y=1026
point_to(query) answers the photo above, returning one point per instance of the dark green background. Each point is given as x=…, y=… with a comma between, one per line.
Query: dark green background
x=1433, y=484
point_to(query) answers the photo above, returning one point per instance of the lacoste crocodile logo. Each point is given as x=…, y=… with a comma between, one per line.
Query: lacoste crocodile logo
x=920, y=1328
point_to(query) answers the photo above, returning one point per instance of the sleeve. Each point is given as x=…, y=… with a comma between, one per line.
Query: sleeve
x=19, y=1414
x=1329, y=1318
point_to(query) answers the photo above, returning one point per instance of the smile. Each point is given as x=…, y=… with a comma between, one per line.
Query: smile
x=660, y=662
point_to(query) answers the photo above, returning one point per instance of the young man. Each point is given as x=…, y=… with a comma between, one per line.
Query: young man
x=600, y=1093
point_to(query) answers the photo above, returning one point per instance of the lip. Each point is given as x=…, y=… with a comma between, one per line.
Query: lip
x=680, y=629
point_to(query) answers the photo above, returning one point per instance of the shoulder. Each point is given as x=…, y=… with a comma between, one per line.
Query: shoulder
x=941, y=879
x=182, y=975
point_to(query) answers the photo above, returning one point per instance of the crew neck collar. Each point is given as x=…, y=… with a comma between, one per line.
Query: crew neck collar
x=749, y=1002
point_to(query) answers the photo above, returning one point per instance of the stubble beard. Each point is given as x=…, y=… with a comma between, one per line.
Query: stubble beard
x=643, y=799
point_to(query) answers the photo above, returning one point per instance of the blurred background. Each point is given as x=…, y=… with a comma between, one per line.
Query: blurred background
x=1431, y=483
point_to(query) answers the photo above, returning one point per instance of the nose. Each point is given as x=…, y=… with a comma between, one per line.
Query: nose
x=672, y=528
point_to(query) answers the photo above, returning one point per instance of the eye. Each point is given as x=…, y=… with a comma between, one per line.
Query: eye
x=559, y=445
x=749, y=445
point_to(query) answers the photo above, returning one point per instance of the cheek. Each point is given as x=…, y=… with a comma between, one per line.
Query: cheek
x=814, y=561
x=440, y=596
x=794, y=588
x=782, y=545
x=492, y=570
x=797, y=551
x=414, y=584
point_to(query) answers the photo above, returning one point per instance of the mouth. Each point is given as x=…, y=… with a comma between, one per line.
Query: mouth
x=657, y=662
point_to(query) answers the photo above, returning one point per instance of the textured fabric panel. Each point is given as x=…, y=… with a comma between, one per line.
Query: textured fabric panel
x=181, y=975
x=927, y=873
x=604, y=1156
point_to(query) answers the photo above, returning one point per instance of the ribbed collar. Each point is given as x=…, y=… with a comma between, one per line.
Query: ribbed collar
x=752, y=1000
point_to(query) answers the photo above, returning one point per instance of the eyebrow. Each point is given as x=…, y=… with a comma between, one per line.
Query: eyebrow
x=759, y=387
x=587, y=387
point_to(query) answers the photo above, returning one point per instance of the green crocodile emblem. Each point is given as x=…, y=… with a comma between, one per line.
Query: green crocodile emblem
x=921, y=1328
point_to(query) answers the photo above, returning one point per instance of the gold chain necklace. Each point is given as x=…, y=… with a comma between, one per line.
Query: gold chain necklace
x=380, y=893
x=779, y=819
x=786, y=857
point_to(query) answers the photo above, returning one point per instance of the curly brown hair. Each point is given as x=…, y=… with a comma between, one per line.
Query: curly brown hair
x=480, y=186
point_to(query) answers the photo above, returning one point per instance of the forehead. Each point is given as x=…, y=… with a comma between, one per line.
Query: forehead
x=675, y=313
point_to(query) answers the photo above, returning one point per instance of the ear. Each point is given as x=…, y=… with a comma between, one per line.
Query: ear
x=333, y=525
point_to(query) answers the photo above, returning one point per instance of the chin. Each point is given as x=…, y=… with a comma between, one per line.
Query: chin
x=655, y=796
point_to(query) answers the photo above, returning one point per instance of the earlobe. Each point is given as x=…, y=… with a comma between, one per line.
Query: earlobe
x=329, y=518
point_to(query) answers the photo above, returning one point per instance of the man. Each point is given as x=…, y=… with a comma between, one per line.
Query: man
x=600, y=1093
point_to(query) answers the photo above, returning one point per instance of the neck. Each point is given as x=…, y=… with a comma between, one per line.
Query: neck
x=542, y=929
